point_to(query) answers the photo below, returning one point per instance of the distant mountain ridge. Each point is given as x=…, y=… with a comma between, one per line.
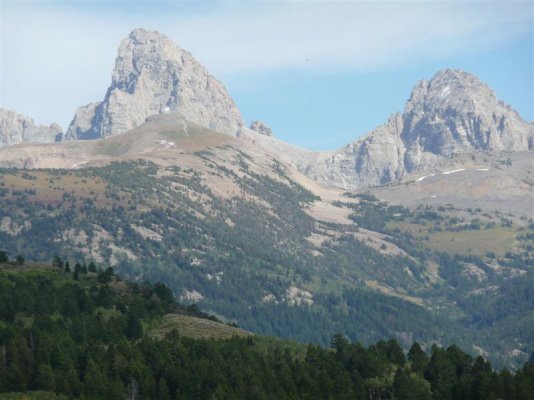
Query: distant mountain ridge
x=16, y=128
x=452, y=113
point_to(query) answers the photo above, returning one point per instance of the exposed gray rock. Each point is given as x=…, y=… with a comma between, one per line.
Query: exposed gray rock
x=261, y=128
x=453, y=113
x=85, y=124
x=17, y=128
x=152, y=75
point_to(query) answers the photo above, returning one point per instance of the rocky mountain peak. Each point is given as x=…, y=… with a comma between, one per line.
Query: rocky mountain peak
x=452, y=113
x=17, y=128
x=152, y=75
x=456, y=112
x=451, y=90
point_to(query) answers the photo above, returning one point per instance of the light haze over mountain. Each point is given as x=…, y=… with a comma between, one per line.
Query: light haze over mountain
x=414, y=231
x=326, y=75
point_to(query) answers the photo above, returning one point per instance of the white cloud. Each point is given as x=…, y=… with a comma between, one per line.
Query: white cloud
x=56, y=57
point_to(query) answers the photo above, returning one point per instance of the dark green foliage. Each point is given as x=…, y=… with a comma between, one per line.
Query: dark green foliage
x=418, y=358
x=91, y=267
x=105, y=276
x=85, y=339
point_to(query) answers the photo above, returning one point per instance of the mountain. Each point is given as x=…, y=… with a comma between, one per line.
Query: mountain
x=152, y=75
x=453, y=113
x=229, y=226
x=16, y=128
x=229, y=220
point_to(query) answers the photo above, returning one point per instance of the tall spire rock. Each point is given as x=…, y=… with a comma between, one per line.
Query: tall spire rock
x=152, y=75
x=17, y=128
x=452, y=113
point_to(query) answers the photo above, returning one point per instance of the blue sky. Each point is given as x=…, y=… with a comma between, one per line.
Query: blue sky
x=320, y=73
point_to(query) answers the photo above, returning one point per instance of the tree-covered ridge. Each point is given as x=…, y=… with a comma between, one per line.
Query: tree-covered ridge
x=239, y=239
x=85, y=336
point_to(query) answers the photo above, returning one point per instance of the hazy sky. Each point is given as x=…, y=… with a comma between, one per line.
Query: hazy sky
x=320, y=73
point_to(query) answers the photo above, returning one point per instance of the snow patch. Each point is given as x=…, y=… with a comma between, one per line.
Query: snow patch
x=445, y=92
x=166, y=144
x=79, y=164
x=424, y=177
x=453, y=171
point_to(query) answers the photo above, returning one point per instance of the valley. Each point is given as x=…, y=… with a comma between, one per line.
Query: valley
x=214, y=216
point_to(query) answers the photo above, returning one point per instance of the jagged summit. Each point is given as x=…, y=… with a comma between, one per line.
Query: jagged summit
x=153, y=75
x=450, y=88
x=454, y=112
x=17, y=128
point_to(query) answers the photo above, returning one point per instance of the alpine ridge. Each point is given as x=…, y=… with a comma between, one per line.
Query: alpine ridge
x=454, y=113
x=17, y=128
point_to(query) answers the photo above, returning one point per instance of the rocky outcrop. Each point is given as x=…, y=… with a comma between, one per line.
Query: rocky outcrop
x=452, y=113
x=152, y=75
x=261, y=128
x=85, y=124
x=16, y=128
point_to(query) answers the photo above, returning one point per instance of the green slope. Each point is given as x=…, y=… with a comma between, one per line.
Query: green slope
x=238, y=233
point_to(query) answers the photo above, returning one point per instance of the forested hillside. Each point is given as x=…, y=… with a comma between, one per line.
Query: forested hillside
x=243, y=240
x=80, y=332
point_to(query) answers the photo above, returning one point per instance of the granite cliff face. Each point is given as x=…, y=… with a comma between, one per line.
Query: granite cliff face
x=452, y=113
x=16, y=128
x=152, y=75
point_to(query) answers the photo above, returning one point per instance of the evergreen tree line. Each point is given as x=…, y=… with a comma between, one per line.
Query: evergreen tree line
x=89, y=339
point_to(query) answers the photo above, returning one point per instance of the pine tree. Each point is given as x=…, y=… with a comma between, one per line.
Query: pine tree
x=94, y=382
x=163, y=390
x=20, y=260
x=44, y=379
x=134, y=327
x=92, y=267
x=418, y=358
x=408, y=386
x=57, y=262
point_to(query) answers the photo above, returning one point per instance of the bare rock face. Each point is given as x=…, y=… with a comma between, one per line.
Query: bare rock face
x=85, y=123
x=456, y=113
x=152, y=75
x=261, y=128
x=16, y=128
x=452, y=113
